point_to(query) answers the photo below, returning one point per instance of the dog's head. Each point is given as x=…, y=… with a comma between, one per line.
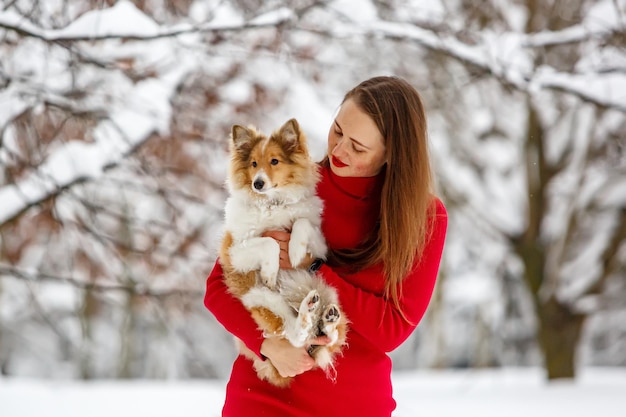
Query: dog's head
x=272, y=166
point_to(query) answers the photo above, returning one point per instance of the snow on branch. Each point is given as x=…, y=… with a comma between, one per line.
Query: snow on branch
x=571, y=35
x=127, y=126
x=507, y=57
x=125, y=21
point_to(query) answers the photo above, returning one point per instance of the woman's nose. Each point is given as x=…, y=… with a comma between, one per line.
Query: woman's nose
x=338, y=146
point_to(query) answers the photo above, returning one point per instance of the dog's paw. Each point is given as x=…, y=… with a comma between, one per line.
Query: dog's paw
x=301, y=233
x=269, y=274
x=330, y=321
x=303, y=325
x=331, y=314
x=270, y=264
x=297, y=252
x=311, y=301
x=317, y=244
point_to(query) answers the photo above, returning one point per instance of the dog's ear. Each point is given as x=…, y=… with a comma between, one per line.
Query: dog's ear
x=241, y=136
x=290, y=135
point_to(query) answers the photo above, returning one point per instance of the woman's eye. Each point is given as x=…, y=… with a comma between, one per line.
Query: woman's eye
x=338, y=132
x=357, y=150
x=274, y=161
x=253, y=164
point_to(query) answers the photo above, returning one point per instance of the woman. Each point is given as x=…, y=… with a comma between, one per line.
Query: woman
x=386, y=232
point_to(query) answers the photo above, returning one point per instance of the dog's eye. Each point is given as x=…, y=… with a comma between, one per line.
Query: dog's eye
x=253, y=164
x=274, y=161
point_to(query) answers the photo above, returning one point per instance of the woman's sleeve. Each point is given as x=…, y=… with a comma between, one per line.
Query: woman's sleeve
x=378, y=319
x=230, y=312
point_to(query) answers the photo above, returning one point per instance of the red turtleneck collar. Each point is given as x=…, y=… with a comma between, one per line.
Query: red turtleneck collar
x=351, y=207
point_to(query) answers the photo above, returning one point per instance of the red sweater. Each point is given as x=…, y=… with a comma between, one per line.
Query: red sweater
x=363, y=384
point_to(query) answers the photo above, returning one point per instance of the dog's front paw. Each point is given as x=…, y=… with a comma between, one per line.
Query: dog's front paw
x=301, y=233
x=269, y=274
x=270, y=264
x=297, y=252
x=317, y=244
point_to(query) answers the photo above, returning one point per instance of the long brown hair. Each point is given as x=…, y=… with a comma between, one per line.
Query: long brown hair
x=406, y=196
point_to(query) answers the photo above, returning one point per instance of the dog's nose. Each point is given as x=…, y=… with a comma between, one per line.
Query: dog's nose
x=258, y=184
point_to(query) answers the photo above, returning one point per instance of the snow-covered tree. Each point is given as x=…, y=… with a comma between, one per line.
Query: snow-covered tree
x=529, y=132
x=114, y=119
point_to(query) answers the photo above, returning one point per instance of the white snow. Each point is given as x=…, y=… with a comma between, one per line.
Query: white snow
x=425, y=393
x=137, y=109
x=365, y=12
x=271, y=18
x=123, y=18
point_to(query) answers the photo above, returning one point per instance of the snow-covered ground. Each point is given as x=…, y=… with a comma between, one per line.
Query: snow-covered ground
x=467, y=393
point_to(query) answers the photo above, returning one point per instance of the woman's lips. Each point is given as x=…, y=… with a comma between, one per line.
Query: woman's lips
x=338, y=163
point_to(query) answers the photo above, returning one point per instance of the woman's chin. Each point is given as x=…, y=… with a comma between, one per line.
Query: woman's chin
x=340, y=172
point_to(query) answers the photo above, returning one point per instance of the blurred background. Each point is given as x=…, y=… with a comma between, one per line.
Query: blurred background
x=114, y=124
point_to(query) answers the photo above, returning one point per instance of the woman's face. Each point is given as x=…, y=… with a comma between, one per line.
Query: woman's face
x=355, y=145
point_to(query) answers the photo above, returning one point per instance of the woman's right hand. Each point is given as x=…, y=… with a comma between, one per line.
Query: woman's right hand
x=282, y=238
x=288, y=360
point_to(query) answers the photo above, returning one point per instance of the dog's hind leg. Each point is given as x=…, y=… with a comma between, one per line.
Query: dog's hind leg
x=264, y=368
x=330, y=320
x=239, y=283
x=270, y=323
x=300, y=330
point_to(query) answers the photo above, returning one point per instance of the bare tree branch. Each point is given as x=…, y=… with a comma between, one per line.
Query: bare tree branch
x=137, y=289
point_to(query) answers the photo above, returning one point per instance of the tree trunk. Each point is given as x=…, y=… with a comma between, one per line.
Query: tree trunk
x=559, y=328
x=558, y=334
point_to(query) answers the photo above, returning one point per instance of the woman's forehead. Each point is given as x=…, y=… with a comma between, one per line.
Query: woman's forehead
x=358, y=125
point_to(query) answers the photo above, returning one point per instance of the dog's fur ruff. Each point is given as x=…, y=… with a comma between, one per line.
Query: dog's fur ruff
x=272, y=187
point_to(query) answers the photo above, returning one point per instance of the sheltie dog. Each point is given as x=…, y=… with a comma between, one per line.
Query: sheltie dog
x=272, y=184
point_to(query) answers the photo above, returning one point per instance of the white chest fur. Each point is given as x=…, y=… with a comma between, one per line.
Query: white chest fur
x=246, y=219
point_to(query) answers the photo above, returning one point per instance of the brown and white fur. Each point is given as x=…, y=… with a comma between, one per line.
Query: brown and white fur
x=272, y=184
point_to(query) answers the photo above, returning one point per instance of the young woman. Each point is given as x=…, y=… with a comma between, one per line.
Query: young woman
x=386, y=232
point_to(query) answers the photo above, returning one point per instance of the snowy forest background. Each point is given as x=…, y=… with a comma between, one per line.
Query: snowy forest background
x=114, y=122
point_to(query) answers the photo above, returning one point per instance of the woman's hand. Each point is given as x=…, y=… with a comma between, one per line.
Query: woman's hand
x=288, y=360
x=283, y=241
